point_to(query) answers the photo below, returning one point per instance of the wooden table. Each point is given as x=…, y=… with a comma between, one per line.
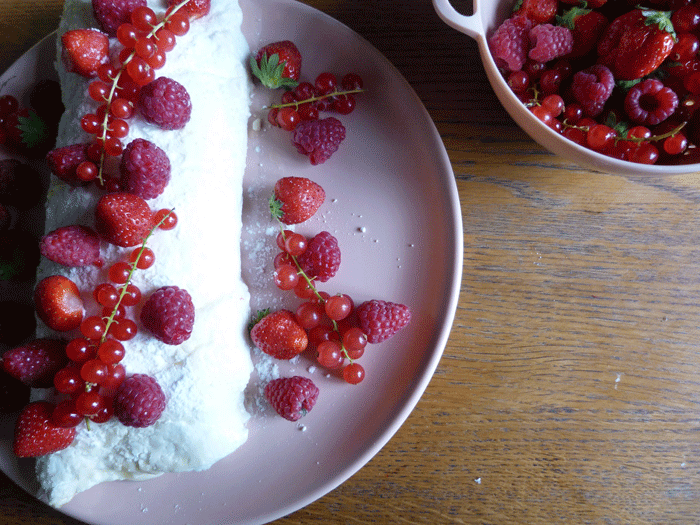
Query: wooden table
x=568, y=392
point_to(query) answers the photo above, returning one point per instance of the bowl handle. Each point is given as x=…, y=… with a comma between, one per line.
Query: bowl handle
x=471, y=25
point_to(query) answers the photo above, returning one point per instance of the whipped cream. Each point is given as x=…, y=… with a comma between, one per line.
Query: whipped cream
x=204, y=378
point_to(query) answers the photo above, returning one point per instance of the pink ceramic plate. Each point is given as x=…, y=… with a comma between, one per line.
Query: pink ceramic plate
x=393, y=205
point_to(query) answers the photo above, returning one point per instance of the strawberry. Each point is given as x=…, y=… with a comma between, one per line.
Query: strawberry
x=36, y=362
x=123, y=219
x=586, y=27
x=27, y=132
x=296, y=199
x=279, y=335
x=277, y=65
x=58, y=303
x=35, y=435
x=636, y=43
x=194, y=8
x=539, y=11
x=382, y=319
x=84, y=50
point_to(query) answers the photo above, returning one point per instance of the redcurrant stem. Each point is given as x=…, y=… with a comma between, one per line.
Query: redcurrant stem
x=318, y=295
x=297, y=103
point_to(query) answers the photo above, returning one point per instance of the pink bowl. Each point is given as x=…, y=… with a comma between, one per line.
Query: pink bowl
x=488, y=15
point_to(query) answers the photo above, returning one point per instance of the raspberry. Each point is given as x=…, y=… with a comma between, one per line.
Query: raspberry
x=110, y=14
x=64, y=161
x=72, y=246
x=169, y=315
x=145, y=169
x=291, y=397
x=139, y=401
x=510, y=43
x=382, y=319
x=321, y=259
x=592, y=87
x=36, y=362
x=318, y=139
x=549, y=42
x=166, y=103
x=650, y=102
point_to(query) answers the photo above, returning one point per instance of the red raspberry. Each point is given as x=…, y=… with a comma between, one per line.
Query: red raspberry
x=139, y=401
x=510, y=43
x=292, y=397
x=13, y=393
x=72, y=246
x=382, y=319
x=64, y=161
x=650, y=102
x=321, y=258
x=592, y=87
x=110, y=14
x=169, y=315
x=166, y=103
x=549, y=42
x=318, y=139
x=36, y=362
x=145, y=169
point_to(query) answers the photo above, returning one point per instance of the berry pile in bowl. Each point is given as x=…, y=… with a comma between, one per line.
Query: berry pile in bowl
x=613, y=85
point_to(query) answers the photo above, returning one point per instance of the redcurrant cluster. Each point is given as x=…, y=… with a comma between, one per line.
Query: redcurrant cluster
x=328, y=319
x=635, y=144
x=307, y=100
x=145, y=43
x=95, y=371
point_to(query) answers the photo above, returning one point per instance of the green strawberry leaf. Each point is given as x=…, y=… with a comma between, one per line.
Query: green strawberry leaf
x=33, y=130
x=269, y=72
x=276, y=207
x=257, y=317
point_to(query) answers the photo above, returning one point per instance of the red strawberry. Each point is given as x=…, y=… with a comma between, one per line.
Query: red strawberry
x=586, y=27
x=539, y=11
x=636, y=43
x=291, y=397
x=296, y=199
x=382, y=319
x=123, y=219
x=593, y=4
x=58, y=303
x=72, y=246
x=278, y=334
x=194, y=8
x=84, y=50
x=277, y=64
x=321, y=259
x=36, y=362
x=35, y=435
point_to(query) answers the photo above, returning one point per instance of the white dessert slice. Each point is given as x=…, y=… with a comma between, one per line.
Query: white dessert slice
x=203, y=378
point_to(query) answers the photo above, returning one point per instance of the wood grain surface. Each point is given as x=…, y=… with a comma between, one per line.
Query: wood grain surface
x=568, y=391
